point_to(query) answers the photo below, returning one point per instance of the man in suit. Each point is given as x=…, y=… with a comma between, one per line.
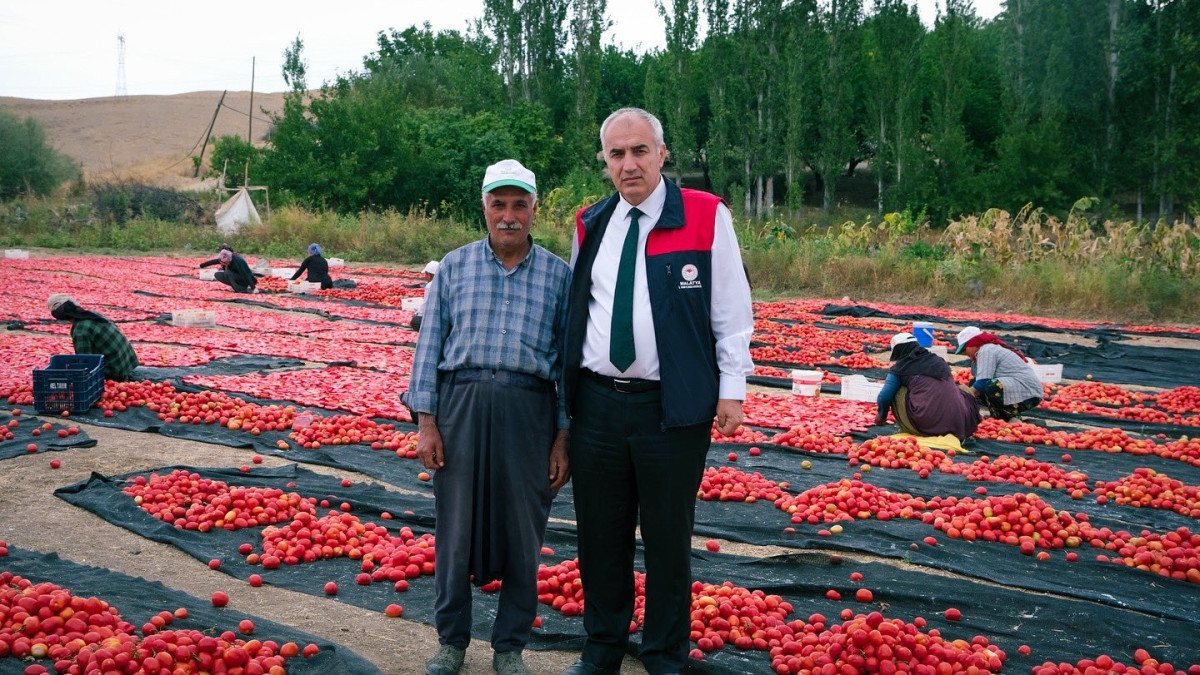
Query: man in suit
x=658, y=345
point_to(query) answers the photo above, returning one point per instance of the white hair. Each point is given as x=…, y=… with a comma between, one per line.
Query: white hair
x=531, y=194
x=638, y=112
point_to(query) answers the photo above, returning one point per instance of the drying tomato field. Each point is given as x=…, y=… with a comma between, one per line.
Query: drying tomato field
x=1067, y=541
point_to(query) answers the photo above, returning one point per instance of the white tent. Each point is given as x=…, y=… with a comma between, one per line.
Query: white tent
x=237, y=211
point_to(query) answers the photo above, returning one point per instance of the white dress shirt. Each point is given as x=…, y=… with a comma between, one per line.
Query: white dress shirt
x=731, y=315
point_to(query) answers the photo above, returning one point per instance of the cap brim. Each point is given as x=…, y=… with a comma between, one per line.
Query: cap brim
x=960, y=348
x=510, y=181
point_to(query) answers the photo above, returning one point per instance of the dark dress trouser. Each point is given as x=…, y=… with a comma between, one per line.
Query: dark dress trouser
x=492, y=500
x=624, y=464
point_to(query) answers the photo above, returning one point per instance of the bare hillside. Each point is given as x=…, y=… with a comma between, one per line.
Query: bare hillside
x=145, y=137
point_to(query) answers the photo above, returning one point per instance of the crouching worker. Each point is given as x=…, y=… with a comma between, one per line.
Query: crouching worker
x=921, y=392
x=91, y=333
x=317, y=267
x=430, y=271
x=1004, y=379
x=234, y=272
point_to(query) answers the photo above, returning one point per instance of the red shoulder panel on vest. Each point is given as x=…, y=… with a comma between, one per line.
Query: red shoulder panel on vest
x=579, y=228
x=699, y=217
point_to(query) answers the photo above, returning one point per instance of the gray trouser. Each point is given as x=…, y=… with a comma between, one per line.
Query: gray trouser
x=492, y=499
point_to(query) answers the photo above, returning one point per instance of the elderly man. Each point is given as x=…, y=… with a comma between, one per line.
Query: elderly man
x=657, y=346
x=491, y=421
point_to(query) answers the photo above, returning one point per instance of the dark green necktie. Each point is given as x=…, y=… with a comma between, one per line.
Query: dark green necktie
x=620, y=347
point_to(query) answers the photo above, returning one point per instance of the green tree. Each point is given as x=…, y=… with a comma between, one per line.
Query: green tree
x=28, y=165
x=892, y=46
x=671, y=88
x=237, y=158
x=801, y=90
x=588, y=24
x=949, y=181
x=838, y=116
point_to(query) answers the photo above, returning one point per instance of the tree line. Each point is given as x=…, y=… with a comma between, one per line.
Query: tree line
x=776, y=104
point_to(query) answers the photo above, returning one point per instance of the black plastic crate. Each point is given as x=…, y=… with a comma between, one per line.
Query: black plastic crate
x=72, y=382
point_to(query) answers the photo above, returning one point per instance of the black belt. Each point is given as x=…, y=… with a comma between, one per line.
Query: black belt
x=625, y=385
x=505, y=377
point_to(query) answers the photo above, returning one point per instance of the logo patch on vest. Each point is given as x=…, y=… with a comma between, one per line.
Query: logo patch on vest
x=689, y=274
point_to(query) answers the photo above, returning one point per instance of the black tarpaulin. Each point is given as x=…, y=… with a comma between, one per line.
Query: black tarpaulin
x=138, y=600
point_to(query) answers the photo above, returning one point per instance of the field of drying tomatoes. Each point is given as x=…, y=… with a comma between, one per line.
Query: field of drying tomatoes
x=1063, y=542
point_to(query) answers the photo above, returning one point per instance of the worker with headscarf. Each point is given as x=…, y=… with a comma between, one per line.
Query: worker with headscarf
x=1004, y=379
x=234, y=272
x=429, y=272
x=92, y=333
x=317, y=267
x=922, y=395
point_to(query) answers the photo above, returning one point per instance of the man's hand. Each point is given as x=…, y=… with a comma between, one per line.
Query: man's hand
x=560, y=468
x=429, y=442
x=880, y=420
x=729, y=416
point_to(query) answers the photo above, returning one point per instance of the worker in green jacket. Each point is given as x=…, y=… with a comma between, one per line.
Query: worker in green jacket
x=91, y=333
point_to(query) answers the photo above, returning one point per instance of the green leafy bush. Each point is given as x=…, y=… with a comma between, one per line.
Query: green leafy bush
x=119, y=202
x=28, y=165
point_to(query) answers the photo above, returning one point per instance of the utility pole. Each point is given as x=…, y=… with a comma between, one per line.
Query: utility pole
x=122, y=90
x=207, y=134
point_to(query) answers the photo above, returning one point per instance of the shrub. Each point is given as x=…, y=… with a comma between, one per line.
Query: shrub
x=27, y=164
x=118, y=202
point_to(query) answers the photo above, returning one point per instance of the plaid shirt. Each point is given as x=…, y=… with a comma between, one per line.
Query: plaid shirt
x=480, y=315
x=102, y=337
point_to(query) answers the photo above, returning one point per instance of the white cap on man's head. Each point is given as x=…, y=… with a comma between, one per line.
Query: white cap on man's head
x=965, y=335
x=509, y=172
x=431, y=267
x=901, y=338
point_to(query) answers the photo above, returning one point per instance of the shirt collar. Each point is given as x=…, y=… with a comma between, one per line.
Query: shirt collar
x=486, y=244
x=652, y=206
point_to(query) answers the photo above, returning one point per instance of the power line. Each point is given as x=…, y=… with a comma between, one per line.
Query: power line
x=246, y=114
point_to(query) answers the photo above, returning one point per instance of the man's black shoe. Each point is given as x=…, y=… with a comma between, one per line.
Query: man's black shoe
x=585, y=668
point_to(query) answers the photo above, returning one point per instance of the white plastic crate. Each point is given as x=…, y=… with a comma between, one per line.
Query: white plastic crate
x=336, y=262
x=1050, y=373
x=208, y=275
x=283, y=272
x=194, y=318
x=16, y=253
x=859, y=388
x=303, y=286
x=411, y=304
x=940, y=350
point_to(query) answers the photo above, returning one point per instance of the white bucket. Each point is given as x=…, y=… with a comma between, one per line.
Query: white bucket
x=806, y=382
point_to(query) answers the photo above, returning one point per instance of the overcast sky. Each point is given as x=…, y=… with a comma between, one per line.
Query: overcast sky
x=69, y=49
